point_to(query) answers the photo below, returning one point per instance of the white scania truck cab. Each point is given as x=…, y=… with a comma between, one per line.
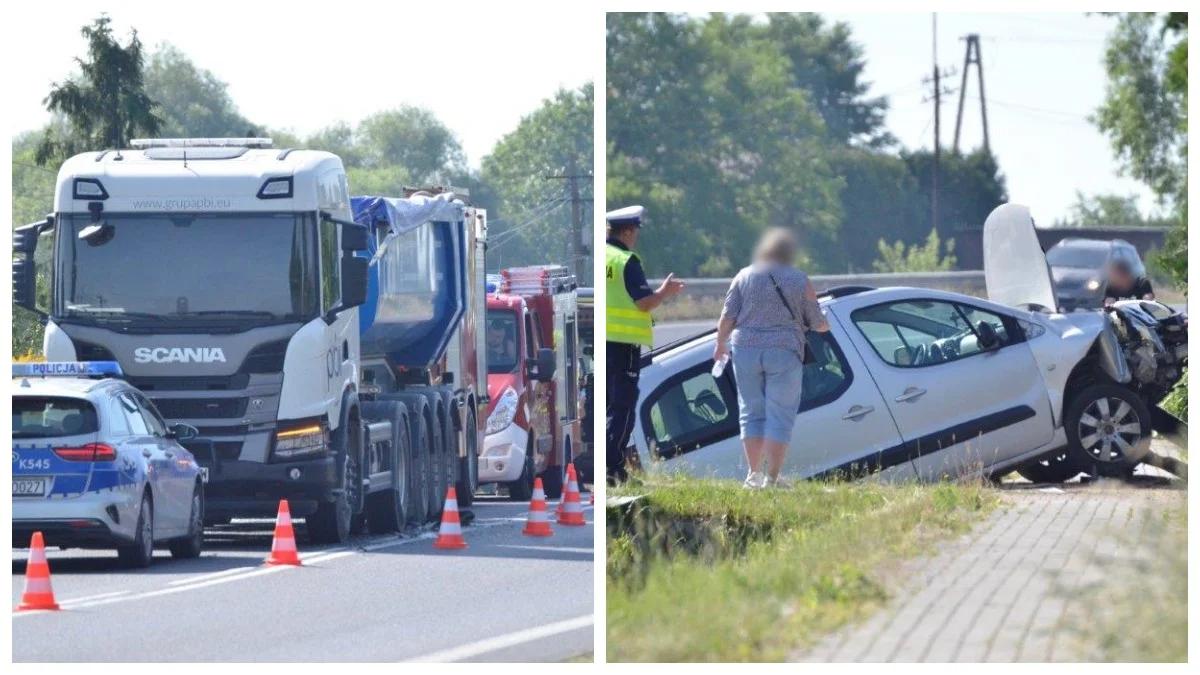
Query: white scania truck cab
x=222, y=275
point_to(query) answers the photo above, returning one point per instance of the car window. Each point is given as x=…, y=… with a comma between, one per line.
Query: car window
x=154, y=421
x=133, y=415
x=921, y=333
x=117, y=424
x=692, y=408
x=50, y=416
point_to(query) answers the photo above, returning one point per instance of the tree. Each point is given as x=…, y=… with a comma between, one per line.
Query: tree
x=412, y=138
x=1106, y=211
x=971, y=186
x=1144, y=115
x=192, y=101
x=899, y=258
x=525, y=172
x=106, y=104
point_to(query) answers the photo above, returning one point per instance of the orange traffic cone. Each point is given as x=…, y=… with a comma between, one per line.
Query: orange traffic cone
x=38, y=593
x=562, y=499
x=537, y=525
x=450, y=533
x=283, y=547
x=572, y=511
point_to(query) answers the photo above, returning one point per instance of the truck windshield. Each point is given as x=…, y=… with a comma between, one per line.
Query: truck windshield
x=501, y=341
x=190, y=269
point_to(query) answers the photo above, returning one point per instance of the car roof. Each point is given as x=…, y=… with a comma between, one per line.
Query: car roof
x=1087, y=243
x=76, y=387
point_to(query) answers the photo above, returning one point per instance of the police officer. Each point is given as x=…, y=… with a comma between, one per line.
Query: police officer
x=629, y=326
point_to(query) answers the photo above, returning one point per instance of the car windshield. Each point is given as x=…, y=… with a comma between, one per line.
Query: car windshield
x=51, y=416
x=1077, y=256
x=501, y=341
x=190, y=269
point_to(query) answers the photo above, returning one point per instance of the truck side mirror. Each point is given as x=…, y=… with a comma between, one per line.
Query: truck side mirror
x=354, y=281
x=544, y=364
x=24, y=280
x=354, y=238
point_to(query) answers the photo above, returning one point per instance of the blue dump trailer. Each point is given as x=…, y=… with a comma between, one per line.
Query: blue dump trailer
x=423, y=386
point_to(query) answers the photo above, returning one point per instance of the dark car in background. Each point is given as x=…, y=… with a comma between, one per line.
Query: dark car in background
x=1079, y=268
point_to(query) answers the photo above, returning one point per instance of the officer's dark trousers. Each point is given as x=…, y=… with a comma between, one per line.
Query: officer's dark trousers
x=624, y=367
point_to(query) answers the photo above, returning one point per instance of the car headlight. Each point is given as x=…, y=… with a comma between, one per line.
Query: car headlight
x=504, y=412
x=308, y=439
x=1093, y=285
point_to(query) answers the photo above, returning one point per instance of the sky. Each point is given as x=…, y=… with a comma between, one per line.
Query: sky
x=479, y=71
x=1043, y=75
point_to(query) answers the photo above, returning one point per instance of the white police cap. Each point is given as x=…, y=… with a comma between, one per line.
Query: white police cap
x=626, y=217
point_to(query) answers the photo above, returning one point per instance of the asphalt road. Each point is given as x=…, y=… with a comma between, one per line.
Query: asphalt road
x=507, y=597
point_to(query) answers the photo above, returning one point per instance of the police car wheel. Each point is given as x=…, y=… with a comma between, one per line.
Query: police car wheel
x=140, y=552
x=191, y=545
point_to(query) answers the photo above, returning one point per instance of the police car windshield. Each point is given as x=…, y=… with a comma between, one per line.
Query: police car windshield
x=501, y=341
x=52, y=416
x=190, y=269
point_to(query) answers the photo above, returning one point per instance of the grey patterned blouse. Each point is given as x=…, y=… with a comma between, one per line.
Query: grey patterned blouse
x=760, y=319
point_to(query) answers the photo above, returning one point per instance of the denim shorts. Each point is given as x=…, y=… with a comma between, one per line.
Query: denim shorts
x=768, y=385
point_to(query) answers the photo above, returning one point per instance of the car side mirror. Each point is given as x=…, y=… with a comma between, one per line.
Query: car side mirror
x=544, y=365
x=182, y=432
x=988, y=339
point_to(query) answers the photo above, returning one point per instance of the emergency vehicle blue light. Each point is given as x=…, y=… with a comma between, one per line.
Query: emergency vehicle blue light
x=66, y=369
x=491, y=287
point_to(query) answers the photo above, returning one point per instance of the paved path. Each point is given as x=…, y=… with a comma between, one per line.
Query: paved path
x=1003, y=593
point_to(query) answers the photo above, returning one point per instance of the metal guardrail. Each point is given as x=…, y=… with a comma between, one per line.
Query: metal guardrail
x=970, y=282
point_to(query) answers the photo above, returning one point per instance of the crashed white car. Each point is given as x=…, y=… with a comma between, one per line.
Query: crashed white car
x=919, y=383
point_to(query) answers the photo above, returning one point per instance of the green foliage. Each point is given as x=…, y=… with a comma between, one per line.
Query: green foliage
x=724, y=125
x=899, y=258
x=1144, y=115
x=1109, y=210
x=106, y=105
x=1176, y=402
x=192, y=101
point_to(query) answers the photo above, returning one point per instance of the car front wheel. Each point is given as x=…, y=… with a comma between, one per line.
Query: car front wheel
x=1108, y=430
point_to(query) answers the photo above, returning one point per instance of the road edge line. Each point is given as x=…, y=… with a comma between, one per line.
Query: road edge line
x=472, y=649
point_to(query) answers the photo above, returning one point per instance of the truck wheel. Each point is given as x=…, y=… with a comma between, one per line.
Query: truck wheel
x=1108, y=430
x=521, y=489
x=386, y=508
x=140, y=552
x=1055, y=467
x=438, y=483
x=191, y=545
x=554, y=478
x=332, y=522
x=419, y=486
x=468, y=466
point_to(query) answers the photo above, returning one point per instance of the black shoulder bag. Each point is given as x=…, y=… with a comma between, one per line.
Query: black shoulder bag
x=809, y=357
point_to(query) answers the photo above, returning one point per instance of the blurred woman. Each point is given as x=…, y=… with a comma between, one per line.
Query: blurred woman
x=768, y=309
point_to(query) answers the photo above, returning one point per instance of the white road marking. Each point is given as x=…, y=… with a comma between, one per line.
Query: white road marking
x=505, y=641
x=86, y=598
x=563, y=549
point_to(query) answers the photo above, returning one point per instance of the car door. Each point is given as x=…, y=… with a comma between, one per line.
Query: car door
x=958, y=407
x=842, y=426
x=176, y=483
x=155, y=457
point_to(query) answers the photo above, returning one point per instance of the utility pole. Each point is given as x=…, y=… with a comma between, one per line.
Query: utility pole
x=938, y=92
x=972, y=57
x=577, y=251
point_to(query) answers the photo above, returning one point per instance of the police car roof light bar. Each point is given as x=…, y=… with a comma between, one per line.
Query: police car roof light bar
x=67, y=369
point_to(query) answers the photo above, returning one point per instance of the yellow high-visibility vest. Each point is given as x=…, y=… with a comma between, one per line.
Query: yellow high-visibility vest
x=622, y=318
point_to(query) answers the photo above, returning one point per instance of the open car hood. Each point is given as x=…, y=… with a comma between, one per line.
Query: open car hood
x=1014, y=264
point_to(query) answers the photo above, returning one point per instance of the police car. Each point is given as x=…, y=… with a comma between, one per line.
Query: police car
x=95, y=466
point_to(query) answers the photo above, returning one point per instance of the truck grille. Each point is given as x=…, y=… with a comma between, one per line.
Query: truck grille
x=209, y=383
x=200, y=408
x=226, y=451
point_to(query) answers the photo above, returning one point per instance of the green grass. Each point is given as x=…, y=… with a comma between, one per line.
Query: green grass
x=706, y=571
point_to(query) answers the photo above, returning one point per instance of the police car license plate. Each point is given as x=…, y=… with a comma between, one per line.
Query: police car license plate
x=29, y=487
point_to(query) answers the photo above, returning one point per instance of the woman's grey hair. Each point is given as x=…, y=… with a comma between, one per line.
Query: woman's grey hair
x=777, y=245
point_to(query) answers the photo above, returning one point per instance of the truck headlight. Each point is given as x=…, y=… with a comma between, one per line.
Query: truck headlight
x=307, y=439
x=504, y=412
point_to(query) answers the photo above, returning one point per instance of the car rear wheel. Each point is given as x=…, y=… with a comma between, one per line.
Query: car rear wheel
x=192, y=545
x=1108, y=430
x=1055, y=467
x=140, y=551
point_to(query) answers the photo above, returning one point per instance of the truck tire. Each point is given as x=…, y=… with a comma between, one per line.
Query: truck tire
x=437, y=463
x=387, y=509
x=1055, y=467
x=420, y=487
x=468, y=466
x=139, y=552
x=1108, y=430
x=333, y=521
x=554, y=478
x=192, y=544
x=521, y=489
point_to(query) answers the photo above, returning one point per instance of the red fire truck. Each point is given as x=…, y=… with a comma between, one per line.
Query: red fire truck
x=532, y=338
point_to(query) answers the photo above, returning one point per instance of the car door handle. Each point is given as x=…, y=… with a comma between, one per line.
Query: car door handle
x=856, y=412
x=910, y=394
